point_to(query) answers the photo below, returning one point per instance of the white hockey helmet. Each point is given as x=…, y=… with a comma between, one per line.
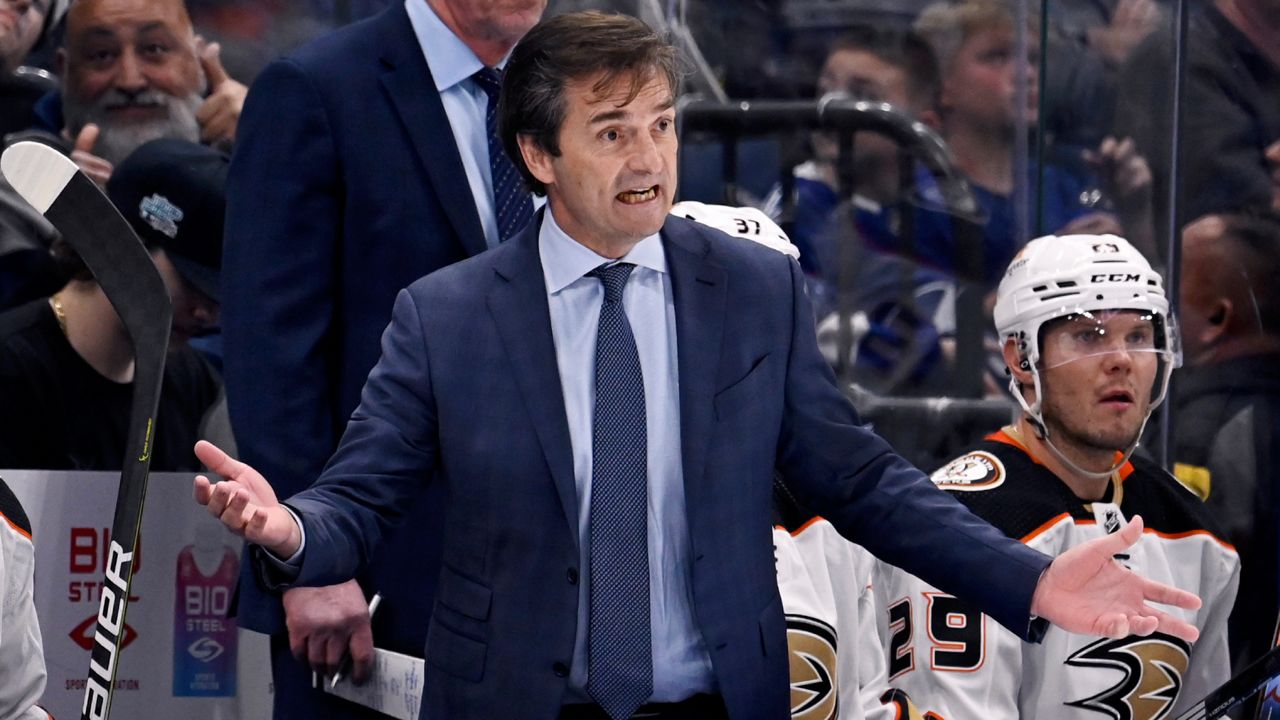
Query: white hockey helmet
x=1062, y=276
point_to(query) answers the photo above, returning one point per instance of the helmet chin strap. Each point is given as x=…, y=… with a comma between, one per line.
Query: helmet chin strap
x=1042, y=432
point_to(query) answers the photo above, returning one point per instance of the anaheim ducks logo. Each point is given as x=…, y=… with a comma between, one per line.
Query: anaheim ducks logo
x=1153, y=668
x=976, y=471
x=812, y=648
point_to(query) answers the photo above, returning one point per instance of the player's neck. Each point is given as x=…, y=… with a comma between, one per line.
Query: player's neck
x=94, y=330
x=1083, y=486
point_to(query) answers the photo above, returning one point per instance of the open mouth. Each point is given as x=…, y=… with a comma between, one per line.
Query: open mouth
x=1117, y=397
x=635, y=197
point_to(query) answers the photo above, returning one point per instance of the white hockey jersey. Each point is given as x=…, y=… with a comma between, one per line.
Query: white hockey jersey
x=22, y=671
x=837, y=655
x=959, y=664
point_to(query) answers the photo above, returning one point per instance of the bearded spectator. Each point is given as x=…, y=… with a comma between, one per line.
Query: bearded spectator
x=134, y=71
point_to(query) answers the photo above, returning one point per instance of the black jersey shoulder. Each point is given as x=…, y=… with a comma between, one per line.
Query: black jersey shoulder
x=1166, y=506
x=1003, y=485
x=12, y=510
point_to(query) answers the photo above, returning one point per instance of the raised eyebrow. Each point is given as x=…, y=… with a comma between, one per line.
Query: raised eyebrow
x=623, y=113
x=609, y=116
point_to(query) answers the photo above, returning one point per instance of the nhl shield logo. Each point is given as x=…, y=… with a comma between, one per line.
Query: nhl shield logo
x=811, y=645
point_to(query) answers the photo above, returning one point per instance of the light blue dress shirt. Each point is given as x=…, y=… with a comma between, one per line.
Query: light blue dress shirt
x=681, y=664
x=452, y=64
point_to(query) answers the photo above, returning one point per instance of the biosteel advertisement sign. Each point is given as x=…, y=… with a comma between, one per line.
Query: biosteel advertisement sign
x=182, y=655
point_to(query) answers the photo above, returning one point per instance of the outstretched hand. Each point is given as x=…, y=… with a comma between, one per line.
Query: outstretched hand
x=1087, y=591
x=245, y=502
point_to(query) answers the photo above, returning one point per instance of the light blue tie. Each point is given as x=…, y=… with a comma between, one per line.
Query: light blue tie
x=620, y=663
x=511, y=199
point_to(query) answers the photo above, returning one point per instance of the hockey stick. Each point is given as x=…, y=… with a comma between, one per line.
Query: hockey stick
x=1236, y=689
x=123, y=268
x=1269, y=703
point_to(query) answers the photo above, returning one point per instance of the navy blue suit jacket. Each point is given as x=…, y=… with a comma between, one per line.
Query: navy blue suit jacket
x=467, y=394
x=346, y=185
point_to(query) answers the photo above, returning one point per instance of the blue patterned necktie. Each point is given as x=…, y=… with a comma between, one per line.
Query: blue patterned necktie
x=511, y=199
x=620, y=663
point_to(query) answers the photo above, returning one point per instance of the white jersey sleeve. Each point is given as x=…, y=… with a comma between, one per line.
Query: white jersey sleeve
x=837, y=663
x=22, y=670
x=1210, y=661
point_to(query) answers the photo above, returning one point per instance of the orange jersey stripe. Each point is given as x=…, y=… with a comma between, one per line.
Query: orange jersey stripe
x=1146, y=530
x=16, y=529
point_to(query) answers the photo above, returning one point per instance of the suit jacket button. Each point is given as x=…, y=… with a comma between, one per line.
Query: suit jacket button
x=560, y=669
x=572, y=575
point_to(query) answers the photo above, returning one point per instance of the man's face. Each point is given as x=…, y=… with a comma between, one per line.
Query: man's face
x=1097, y=393
x=863, y=76
x=981, y=83
x=615, y=177
x=20, y=23
x=499, y=21
x=130, y=66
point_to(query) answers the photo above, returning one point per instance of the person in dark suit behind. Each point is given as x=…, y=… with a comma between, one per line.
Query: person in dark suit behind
x=362, y=163
x=606, y=398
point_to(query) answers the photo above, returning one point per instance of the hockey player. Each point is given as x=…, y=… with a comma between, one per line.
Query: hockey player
x=1090, y=346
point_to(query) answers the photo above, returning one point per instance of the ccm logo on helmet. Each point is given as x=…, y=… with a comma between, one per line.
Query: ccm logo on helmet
x=1114, y=277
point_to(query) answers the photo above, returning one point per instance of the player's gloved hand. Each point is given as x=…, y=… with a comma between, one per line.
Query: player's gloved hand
x=1087, y=590
x=326, y=623
x=245, y=502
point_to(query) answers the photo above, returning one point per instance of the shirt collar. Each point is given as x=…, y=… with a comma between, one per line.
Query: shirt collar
x=448, y=58
x=565, y=260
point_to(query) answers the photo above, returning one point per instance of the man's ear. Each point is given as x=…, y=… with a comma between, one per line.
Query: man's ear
x=537, y=159
x=1221, y=313
x=1017, y=362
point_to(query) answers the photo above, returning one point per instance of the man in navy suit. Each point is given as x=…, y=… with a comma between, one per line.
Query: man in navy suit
x=608, y=331
x=361, y=165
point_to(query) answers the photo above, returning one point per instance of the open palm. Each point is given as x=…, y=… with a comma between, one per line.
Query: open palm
x=245, y=502
x=1086, y=590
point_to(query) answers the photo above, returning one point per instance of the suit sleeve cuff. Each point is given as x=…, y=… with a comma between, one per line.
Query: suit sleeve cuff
x=276, y=573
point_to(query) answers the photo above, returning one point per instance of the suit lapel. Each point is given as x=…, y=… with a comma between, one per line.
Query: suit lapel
x=518, y=304
x=412, y=90
x=698, y=287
